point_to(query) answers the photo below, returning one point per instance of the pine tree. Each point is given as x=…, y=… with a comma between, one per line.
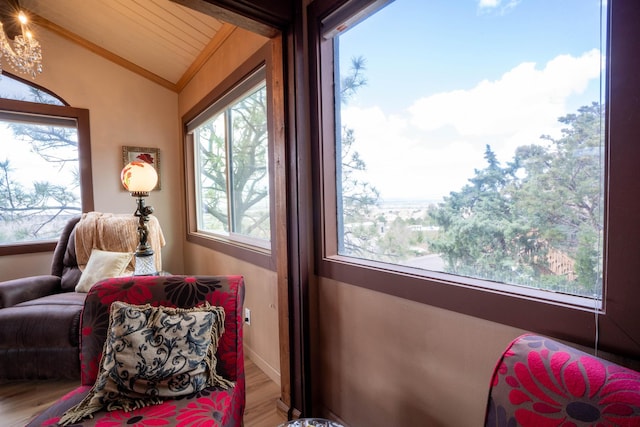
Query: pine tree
x=505, y=222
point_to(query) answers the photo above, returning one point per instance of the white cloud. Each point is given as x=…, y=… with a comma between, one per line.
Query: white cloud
x=500, y=6
x=433, y=147
x=401, y=160
x=524, y=101
x=488, y=3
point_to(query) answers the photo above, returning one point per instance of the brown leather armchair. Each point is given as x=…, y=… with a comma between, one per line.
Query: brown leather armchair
x=39, y=315
x=39, y=318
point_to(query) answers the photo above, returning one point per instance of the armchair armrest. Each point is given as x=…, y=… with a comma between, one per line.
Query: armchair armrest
x=15, y=291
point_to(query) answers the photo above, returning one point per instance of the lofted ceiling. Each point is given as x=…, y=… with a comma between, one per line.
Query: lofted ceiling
x=159, y=39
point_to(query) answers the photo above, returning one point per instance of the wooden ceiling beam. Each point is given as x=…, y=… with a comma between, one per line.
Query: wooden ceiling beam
x=231, y=12
x=98, y=50
x=223, y=34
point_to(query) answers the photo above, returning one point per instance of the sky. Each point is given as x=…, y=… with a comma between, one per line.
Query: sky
x=26, y=165
x=445, y=78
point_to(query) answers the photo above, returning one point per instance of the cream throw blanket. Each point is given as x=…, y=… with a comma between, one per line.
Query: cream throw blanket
x=115, y=233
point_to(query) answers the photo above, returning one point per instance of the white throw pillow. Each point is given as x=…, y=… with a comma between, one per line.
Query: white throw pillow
x=102, y=265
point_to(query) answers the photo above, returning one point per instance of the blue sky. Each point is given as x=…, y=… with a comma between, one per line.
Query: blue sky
x=523, y=63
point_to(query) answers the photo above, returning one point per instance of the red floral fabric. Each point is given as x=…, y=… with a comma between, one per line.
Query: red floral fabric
x=209, y=407
x=539, y=382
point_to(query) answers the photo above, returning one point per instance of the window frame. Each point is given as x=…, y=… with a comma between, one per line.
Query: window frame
x=234, y=245
x=223, y=106
x=612, y=327
x=81, y=116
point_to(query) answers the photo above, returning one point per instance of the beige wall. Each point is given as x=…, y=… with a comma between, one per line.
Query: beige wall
x=261, y=337
x=239, y=46
x=125, y=109
x=386, y=361
x=15, y=266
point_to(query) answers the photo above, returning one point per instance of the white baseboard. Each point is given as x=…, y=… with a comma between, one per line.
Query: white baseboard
x=270, y=371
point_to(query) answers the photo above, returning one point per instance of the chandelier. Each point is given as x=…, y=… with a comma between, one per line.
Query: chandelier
x=22, y=50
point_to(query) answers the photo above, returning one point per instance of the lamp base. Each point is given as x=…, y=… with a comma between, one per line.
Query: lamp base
x=145, y=265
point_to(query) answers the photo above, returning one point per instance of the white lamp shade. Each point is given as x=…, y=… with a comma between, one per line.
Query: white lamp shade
x=139, y=176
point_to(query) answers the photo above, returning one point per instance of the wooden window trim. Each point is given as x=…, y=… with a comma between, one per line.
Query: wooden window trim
x=81, y=116
x=615, y=325
x=251, y=254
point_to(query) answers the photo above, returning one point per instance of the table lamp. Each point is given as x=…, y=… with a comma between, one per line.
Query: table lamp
x=139, y=178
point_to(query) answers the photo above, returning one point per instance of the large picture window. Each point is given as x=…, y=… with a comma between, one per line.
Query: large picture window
x=475, y=146
x=477, y=156
x=45, y=171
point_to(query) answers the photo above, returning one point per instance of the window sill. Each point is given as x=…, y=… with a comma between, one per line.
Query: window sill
x=562, y=318
x=254, y=255
x=27, y=248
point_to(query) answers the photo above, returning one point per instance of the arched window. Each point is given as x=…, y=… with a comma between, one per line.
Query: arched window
x=45, y=165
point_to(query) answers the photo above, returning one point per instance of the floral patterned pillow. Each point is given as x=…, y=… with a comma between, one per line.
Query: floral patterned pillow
x=153, y=353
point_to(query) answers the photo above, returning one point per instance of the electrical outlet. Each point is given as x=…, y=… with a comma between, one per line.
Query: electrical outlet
x=247, y=316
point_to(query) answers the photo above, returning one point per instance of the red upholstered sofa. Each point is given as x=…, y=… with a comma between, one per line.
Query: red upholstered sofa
x=212, y=406
x=540, y=382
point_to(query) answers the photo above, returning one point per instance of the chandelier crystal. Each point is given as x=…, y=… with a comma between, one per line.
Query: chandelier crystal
x=23, y=52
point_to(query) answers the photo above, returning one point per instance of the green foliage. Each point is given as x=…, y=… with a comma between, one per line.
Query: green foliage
x=588, y=261
x=395, y=242
x=507, y=221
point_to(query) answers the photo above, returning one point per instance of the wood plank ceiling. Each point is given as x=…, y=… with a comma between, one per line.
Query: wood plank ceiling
x=159, y=39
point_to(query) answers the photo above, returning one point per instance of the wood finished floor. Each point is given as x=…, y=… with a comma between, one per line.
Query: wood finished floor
x=20, y=401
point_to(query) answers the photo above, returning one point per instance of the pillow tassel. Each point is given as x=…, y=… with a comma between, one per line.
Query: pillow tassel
x=128, y=405
x=90, y=404
x=82, y=410
x=214, y=378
